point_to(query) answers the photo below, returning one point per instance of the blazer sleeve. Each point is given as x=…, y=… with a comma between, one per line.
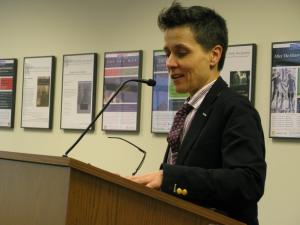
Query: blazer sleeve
x=240, y=176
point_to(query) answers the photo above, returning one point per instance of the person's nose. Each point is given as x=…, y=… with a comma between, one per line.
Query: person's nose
x=171, y=61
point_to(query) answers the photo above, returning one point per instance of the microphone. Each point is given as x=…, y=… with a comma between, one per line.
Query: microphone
x=141, y=150
x=149, y=82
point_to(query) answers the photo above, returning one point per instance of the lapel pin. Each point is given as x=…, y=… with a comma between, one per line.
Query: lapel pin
x=204, y=114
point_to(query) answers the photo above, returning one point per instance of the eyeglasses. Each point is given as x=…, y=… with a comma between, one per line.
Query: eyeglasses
x=141, y=150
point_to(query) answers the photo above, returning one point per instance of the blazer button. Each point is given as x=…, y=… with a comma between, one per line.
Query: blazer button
x=179, y=191
x=184, y=192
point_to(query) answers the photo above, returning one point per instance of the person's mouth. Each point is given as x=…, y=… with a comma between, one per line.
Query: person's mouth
x=177, y=76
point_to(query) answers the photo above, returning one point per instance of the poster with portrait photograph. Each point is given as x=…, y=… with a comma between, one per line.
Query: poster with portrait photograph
x=123, y=112
x=240, y=68
x=165, y=100
x=78, y=90
x=8, y=78
x=285, y=90
x=38, y=91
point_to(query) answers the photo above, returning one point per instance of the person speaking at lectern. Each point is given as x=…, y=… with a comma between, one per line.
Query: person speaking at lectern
x=216, y=152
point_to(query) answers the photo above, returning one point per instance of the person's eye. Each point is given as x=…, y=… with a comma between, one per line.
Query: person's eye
x=181, y=53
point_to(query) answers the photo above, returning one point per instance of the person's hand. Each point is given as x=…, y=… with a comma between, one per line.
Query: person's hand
x=151, y=180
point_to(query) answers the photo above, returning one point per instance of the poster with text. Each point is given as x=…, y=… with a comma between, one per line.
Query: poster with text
x=285, y=90
x=239, y=69
x=8, y=77
x=37, y=97
x=165, y=100
x=123, y=112
x=78, y=91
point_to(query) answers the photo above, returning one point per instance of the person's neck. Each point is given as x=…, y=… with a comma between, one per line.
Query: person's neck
x=214, y=76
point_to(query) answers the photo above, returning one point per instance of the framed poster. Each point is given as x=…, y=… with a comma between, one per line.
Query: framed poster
x=8, y=79
x=78, y=90
x=240, y=69
x=165, y=100
x=285, y=90
x=38, y=92
x=123, y=112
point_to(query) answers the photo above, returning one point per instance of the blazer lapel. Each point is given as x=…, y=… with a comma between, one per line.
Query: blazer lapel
x=200, y=118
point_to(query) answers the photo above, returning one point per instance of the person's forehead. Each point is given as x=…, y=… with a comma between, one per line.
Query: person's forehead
x=179, y=36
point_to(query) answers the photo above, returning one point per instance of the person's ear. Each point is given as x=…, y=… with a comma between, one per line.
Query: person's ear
x=215, y=55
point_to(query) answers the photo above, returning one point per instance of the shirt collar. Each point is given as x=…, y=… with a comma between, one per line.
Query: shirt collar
x=198, y=97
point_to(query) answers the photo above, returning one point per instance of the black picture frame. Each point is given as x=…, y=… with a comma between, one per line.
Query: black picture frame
x=8, y=82
x=79, y=77
x=165, y=101
x=239, y=69
x=38, y=92
x=285, y=90
x=123, y=114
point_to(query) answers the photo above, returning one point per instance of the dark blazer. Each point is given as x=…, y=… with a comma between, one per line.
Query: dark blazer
x=221, y=162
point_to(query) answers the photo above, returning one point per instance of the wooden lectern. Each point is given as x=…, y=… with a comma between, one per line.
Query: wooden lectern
x=48, y=190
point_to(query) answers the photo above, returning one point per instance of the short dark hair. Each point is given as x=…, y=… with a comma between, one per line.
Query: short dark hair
x=209, y=27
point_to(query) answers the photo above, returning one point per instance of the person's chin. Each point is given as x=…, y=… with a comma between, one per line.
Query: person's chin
x=181, y=90
x=180, y=86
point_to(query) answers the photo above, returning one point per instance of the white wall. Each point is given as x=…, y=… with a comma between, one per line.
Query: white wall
x=57, y=27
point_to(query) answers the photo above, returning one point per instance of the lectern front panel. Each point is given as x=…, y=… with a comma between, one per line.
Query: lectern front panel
x=33, y=193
